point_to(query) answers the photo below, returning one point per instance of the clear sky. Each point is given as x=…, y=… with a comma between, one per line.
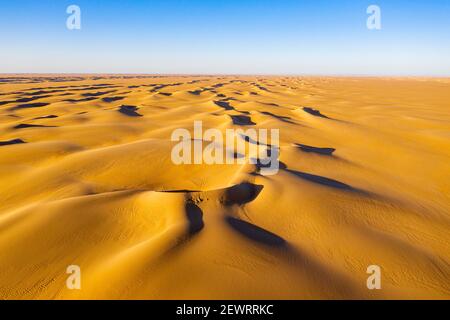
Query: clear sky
x=226, y=37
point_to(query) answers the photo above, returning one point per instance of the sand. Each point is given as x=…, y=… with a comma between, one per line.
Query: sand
x=86, y=179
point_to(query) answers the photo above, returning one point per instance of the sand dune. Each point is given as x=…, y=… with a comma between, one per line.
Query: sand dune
x=86, y=178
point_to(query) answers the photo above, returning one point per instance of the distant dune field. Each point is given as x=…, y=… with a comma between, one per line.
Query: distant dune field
x=86, y=178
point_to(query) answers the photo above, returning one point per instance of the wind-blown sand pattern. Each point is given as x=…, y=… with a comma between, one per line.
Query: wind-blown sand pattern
x=86, y=178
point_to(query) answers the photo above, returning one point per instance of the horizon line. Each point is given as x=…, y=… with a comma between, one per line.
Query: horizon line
x=225, y=74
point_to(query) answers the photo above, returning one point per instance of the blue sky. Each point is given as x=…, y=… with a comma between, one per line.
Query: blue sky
x=323, y=37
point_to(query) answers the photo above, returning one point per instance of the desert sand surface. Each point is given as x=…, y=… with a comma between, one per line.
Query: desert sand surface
x=86, y=179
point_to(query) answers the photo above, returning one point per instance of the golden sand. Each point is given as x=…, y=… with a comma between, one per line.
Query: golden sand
x=364, y=180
